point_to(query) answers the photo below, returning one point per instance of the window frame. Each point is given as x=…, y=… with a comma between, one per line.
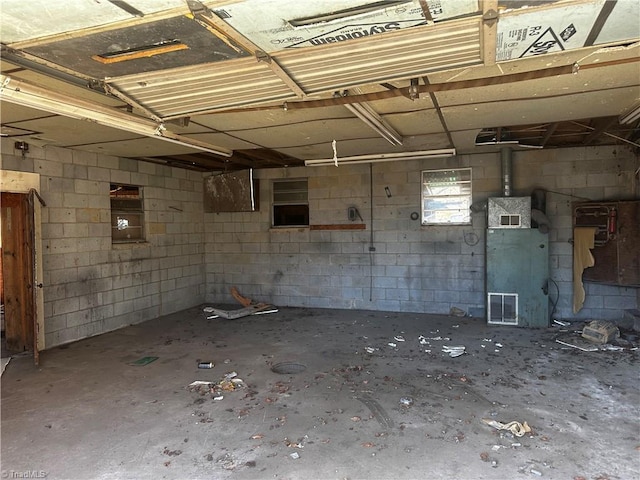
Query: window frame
x=288, y=209
x=427, y=213
x=131, y=206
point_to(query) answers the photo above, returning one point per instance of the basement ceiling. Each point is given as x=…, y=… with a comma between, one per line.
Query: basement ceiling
x=227, y=85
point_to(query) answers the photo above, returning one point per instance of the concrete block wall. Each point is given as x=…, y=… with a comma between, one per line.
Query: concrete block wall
x=394, y=264
x=413, y=268
x=90, y=285
x=575, y=175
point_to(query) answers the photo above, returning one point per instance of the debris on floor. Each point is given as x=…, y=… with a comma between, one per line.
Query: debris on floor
x=601, y=332
x=576, y=341
x=454, y=351
x=517, y=428
x=228, y=383
x=257, y=309
x=5, y=362
x=457, y=312
x=298, y=444
x=249, y=307
x=227, y=461
x=310, y=371
x=406, y=401
x=143, y=361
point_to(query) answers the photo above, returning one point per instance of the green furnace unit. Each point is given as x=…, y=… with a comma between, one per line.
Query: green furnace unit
x=517, y=269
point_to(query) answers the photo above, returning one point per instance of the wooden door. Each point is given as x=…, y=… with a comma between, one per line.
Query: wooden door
x=18, y=271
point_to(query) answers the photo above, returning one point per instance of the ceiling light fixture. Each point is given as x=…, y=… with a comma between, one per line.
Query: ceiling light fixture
x=631, y=116
x=365, y=113
x=34, y=96
x=383, y=157
x=369, y=116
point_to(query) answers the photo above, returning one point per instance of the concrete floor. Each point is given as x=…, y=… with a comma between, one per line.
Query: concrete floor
x=87, y=413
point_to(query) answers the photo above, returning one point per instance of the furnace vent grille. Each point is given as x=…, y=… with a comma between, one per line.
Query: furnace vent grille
x=503, y=308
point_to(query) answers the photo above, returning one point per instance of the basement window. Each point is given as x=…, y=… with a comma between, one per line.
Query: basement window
x=446, y=197
x=290, y=203
x=127, y=214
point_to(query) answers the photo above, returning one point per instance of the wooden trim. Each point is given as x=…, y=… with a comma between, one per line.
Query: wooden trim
x=143, y=53
x=339, y=226
x=19, y=182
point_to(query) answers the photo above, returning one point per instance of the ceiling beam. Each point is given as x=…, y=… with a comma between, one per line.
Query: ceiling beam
x=601, y=125
x=264, y=156
x=551, y=128
x=171, y=162
x=609, y=134
x=443, y=122
x=489, y=31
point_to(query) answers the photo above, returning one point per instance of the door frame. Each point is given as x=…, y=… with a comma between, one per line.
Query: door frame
x=29, y=184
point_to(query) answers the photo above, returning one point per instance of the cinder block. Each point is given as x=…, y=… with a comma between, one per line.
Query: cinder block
x=76, y=172
x=45, y=167
x=91, y=159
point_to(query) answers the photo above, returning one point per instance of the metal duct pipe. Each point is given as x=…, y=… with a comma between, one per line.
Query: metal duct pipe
x=505, y=157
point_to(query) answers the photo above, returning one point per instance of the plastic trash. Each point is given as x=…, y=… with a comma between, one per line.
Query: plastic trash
x=454, y=351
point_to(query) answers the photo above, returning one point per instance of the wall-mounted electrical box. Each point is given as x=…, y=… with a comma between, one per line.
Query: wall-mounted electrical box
x=616, y=239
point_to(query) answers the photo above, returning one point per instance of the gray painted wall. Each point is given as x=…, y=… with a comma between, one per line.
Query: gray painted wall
x=192, y=257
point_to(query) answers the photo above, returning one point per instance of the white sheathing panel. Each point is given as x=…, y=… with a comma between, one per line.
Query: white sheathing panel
x=275, y=28
x=536, y=31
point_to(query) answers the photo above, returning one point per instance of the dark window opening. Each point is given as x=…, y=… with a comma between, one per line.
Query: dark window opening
x=127, y=214
x=290, y=203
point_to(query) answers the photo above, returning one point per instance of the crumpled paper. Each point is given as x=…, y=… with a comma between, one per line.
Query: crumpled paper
x=517, y=428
